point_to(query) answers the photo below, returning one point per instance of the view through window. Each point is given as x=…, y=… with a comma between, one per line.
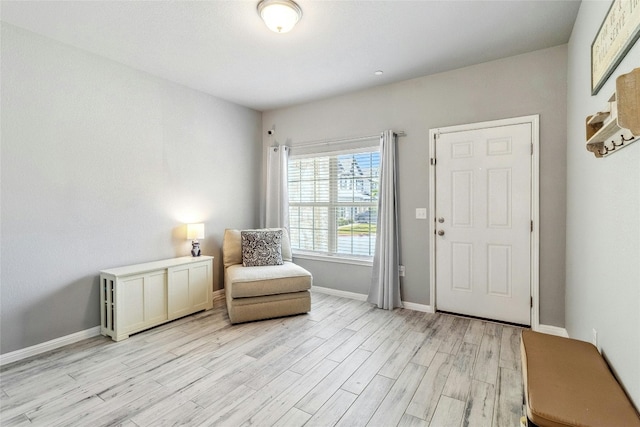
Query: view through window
x=333, y=202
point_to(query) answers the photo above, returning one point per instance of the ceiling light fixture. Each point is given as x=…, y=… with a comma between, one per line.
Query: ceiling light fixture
x=378, y=73
x=279, y=15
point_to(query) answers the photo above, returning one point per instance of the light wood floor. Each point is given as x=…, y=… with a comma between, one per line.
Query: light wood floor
x=346, y=363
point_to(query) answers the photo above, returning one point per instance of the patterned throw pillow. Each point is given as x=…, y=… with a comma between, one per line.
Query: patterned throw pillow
x=261, y=247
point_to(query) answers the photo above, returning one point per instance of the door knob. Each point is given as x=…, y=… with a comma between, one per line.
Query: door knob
x=440, y=232
x=440, y=220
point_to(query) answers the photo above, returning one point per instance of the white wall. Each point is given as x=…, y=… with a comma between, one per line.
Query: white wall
x=101, y=166
x=603, y=217
x=534, y=83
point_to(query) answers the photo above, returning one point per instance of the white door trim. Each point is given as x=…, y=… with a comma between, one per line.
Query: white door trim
x=534, y=120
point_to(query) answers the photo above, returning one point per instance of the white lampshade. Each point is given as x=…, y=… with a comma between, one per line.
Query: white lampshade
x=195, y=231
x=279, y=15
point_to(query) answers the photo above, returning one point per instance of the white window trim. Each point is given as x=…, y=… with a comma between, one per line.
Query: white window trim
x=338, y=258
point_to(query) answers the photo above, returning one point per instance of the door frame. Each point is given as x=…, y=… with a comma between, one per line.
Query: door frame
x=534, y=121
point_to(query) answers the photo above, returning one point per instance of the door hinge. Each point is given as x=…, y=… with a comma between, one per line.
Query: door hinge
x=532, y=226
x=532, y=149
x=531, y=302
x=433, y=161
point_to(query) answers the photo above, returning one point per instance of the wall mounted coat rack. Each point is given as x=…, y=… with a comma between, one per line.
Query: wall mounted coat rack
x=618, y=125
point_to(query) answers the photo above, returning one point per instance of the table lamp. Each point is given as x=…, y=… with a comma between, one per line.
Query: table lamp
x=195, y=232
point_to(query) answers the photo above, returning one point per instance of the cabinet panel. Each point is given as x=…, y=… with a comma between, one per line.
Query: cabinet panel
x=179, y=304
x=155, y=298
x=199, y=286
x=130, y=307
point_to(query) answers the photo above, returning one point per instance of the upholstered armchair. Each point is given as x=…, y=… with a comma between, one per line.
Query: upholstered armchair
x=260, y=279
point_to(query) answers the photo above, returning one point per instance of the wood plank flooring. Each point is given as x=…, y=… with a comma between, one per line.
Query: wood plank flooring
x=346, y=363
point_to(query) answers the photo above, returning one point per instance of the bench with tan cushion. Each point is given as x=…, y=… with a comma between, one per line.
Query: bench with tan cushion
x=568, y=383
x=263, y=292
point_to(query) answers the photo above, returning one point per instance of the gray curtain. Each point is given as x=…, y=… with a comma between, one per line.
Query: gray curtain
x=385, y=281
x=277, y=203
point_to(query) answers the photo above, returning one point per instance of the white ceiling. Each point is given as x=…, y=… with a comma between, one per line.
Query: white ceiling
x=223, y=48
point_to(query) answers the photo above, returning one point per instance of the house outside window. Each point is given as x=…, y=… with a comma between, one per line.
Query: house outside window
x=333, y=202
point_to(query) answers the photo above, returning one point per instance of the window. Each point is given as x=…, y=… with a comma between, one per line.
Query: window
x=333, y=201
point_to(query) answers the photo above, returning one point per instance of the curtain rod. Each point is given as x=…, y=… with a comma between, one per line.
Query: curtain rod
x=337, y=141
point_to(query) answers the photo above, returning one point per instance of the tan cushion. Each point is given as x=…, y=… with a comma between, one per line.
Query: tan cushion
x=240, y=302
x=568, y=383
x=267, y=307
x=232, y=246
x=243, y=282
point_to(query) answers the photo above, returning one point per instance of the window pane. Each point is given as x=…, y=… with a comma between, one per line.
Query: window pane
x=333, y=203
x=294, y=217
x=306, y=239
x=306, y=217
x=323, y=191
x=294, y=236
x=321, y=243
x=323, y=168
x=291, y=171
x=294, y=171
x=294, y=191
x=321, y=219
x=307, y=191
x=307, y=169
x=358, y=237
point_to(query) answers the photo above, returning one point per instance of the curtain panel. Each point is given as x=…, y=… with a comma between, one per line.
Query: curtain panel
x=277, y=203
x=385, y=281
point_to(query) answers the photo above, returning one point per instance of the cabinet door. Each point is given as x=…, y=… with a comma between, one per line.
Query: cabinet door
x=189, y=289
x=199, y=286
x=143, y=301
x=130, y=305
x=178, y=292
x=155, y=297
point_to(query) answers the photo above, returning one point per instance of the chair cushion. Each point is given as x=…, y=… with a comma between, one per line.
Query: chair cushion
x=245, y=282
x=232, y=246
x=266, y=299
x=267, y=307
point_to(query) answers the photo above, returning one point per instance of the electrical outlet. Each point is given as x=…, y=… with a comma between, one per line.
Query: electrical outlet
x=401, y=270
x=421, y=213
x=594, y=337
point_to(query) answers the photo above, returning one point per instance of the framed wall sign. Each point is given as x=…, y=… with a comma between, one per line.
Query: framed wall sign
x=617, y=34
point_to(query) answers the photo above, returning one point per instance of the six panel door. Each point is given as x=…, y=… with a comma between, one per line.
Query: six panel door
x=483, y=223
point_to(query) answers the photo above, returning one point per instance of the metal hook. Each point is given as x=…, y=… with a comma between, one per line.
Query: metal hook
x=613, y=146
x=621, y=142
x=631, y=138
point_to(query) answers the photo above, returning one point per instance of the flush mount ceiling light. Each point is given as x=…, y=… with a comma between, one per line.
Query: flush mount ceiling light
x=279, y=15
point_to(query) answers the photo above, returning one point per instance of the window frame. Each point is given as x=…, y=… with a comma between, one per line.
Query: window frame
x=332, y=254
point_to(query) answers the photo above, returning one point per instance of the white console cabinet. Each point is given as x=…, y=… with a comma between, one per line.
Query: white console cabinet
x=137, y=297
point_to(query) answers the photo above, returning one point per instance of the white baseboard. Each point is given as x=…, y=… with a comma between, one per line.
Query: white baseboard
x=362, y=297
x=552, y=330
x=34, y=350
x=338, y=293
x=17, y=355
x=418, y=307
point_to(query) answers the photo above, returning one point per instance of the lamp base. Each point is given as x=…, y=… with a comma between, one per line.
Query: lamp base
x=195, y=248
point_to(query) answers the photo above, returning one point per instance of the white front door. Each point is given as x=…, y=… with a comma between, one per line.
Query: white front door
x=483, y=222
